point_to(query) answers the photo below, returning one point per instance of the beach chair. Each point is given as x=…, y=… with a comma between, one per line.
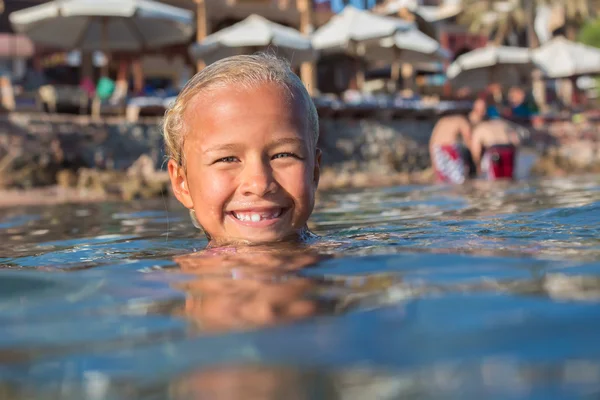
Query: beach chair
x=54, y=98
x=144, y=105
x=28, y=101
x=155, y=105
x=115, y=105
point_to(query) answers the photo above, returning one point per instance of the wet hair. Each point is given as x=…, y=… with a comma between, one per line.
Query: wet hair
x=246, y=71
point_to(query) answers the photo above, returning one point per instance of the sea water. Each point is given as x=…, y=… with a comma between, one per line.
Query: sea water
x=477, y=291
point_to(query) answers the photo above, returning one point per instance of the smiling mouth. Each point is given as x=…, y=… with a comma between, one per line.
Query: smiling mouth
x=258, y=216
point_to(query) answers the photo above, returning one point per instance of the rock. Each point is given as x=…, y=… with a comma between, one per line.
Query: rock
x=66, y=178
x=124, y=159
x=143, y=167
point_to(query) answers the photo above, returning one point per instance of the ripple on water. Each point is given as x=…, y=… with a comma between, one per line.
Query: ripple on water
x=476, y=291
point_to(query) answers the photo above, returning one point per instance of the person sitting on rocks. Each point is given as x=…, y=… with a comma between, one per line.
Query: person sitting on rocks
x=449, y=145
x=494, y=149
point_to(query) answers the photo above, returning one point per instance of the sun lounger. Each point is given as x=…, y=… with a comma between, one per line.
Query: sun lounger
x=147, y=106
x=29, y=101
x=116, y=105
x=68, y=98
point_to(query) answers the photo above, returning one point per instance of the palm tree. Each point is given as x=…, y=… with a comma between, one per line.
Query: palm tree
x=501, y=19
x=590, y=33
x=576, y=13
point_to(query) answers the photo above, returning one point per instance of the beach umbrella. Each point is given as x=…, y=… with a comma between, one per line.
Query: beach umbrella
x=375, y=37
x=353, y=26
x=503, y=65
x=109, y=25
x=253, y=34
x=409, y=46
x=562, y=58
x=405, y=47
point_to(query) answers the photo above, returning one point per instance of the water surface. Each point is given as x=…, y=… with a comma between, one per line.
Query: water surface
x=476, y=291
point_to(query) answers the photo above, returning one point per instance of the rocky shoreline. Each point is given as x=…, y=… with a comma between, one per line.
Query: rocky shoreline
x=49, y=159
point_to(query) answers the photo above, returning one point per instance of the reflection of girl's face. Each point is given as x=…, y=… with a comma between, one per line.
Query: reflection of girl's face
x=242, y=382
x=244, y=290
x=221, y=303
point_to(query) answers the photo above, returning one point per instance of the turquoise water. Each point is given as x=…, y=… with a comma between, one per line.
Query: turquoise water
x=412, y=292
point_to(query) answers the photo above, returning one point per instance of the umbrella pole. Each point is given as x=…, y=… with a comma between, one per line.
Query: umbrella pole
x=104, y=70
x=409, y=78
x=492, y=78
x=394, y=75
x=200, y=29
x=395, y=70
x=360, y=75
x=96, y=103
x=539, y=90
x=574, y=91
x=307, y=69
x=87, y=65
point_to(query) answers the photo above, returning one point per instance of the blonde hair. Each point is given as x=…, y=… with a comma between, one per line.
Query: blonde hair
x=243, y=70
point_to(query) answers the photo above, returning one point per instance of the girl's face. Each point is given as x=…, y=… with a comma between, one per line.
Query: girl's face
x=251, y=169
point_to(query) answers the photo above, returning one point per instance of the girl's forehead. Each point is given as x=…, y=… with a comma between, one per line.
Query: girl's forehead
x=225, y=111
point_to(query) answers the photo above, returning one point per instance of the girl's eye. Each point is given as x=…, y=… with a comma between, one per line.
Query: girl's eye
x=230, y=159
x=285, y=155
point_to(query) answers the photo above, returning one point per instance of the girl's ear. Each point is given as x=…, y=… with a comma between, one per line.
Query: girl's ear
x=317, y=169
x=179, y=184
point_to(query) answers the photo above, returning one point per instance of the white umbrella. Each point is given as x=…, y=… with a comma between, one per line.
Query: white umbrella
x=447, y=9
x=562, y=58
x=375, y=37
x=352, y=26
x=405, y=47
x=253, y=34
x=113, y=25
x=492, y=64
x=408, y=46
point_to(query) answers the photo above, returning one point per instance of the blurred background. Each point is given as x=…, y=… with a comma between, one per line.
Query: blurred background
x=414, y=289
x=84, y=87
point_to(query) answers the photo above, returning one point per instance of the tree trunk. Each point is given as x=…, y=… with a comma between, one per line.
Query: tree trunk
x=570, y=31
x=501, y=33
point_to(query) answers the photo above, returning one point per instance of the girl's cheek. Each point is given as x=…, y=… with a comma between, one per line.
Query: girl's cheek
x=217, y=181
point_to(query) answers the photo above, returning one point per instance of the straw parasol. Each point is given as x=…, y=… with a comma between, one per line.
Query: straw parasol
x=253, y=34
x=562, y=58
x=409, y=46
x=352, y=26
x=110, y=25
x=376, y=37
x=502, y=65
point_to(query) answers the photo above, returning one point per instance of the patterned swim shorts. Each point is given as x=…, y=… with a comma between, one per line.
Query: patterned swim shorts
x=452, y=163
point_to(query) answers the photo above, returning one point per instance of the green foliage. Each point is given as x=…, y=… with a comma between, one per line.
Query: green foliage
x=590, y=33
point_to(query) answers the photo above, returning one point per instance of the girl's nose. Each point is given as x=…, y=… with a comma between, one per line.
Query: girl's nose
x=258, y=179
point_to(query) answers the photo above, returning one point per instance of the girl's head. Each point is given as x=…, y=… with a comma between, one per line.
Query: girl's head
x=241, y=139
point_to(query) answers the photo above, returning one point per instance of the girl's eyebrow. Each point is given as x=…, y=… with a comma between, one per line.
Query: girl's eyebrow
x=222, y=147
x=284, y=141
x=273, y=144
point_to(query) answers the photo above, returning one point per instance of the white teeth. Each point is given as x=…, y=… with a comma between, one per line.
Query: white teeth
x=256, y=217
